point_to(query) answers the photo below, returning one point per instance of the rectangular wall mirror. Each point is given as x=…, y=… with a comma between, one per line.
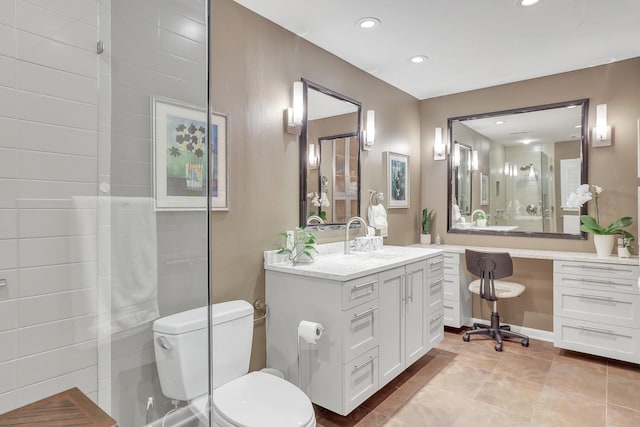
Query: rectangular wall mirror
x=516, y=169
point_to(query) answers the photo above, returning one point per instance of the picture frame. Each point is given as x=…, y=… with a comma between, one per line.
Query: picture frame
x=398, y=180
x=484, y=189
x=181, y=156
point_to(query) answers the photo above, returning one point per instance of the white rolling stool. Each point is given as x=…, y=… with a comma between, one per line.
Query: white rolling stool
x=489, y=267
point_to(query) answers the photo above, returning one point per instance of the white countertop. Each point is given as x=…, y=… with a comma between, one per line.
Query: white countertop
x=539, y=254
x=337, y=266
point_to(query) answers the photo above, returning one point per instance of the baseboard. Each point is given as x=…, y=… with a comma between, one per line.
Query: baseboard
x=536, y=334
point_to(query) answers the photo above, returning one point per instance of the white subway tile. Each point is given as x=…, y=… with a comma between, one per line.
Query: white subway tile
x=7, y=13
x=8, y=346
x=56, y=250
x=10, y=290
x=47, y=109
x=48, y=336
x=52, y=25
x=8, y=315
x=57, y=278
x=50, y=53
x=7, y=41
x=59, y=306
x=8, y=102
x=44, y=222
x=123, y=172
x=8, y=223
x=8, y=194
x=56, y=139
x=36, y=189
x=50, y=364
x=85, y=380
x=173, y=21
x=131, y=124
x=60, y=84
x=56, y=167
x=7, y=376
x=84, y=11
x=7, y=401
x=8, y=253
x=182, y=47
x=7, y=70
x=9, y=132
x=8, y=166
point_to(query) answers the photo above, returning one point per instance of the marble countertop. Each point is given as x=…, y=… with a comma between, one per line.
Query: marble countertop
x=341, y=267
x=540, y=254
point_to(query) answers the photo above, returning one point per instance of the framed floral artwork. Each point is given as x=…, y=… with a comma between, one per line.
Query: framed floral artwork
x=181, y=155
x=398, y=180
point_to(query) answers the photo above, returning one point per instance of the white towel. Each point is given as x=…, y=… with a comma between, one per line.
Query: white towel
x=134, y=263
x=378, y=219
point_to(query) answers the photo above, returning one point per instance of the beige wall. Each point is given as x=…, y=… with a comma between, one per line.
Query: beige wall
x=613, y=168
x=254, y=63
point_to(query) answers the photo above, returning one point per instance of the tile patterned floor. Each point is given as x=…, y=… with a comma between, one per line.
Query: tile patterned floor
x=470, y=384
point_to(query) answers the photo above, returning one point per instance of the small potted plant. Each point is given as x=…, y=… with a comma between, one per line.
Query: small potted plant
x=427, y=218
x=481, y=219
x=300, y=247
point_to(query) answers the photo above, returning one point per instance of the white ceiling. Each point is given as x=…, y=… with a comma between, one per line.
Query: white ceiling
x=471, y=44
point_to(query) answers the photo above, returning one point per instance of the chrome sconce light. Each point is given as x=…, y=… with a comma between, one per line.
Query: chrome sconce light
x=295, y=113
x=439, y=149
x=474, y=160
x=455, y=159
x=313, y=157
x=370, y=130
x=601, y=134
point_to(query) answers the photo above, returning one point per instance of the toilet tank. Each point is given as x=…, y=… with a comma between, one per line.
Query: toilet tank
x=181, y=348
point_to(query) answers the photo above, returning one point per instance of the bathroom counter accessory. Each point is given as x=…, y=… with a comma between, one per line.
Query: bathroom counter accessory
x=71, y=407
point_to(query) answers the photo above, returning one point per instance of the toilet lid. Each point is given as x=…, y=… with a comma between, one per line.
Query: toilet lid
x=259, y=399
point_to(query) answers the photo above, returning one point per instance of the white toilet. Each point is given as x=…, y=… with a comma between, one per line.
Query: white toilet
x=239, y=399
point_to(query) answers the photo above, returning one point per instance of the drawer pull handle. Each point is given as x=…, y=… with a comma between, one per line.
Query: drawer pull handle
x=437, y=282
x=362, y=364
x=362, y=285
x=437, y=317
x=596, y=297
x=437, y=262
x=591, y=267
x=599, y=282
x=606, y=331
x=365, y=312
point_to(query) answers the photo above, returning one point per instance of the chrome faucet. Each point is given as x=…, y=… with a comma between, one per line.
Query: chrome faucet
x=346, y=231
x=316, y=218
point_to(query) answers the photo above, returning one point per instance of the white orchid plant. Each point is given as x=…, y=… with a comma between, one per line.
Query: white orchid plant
x=319, y=201
x=591, y=224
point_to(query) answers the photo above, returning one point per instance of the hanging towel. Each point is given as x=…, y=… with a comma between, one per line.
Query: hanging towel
x=378, y=219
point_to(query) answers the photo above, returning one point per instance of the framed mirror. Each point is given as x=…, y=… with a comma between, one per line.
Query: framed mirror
x=510, y=172
x=329, y=157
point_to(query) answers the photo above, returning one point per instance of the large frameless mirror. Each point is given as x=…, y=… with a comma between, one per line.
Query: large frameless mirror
x=510, y=172
x=330, y=157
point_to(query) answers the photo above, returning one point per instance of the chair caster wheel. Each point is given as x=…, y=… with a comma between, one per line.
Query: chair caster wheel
x=465, y=338
x=505, y=327
x=474, y=327
x=498, y=347
x=525, y=343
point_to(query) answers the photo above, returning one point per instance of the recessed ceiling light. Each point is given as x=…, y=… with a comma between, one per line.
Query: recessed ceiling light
x=500, y=122
x=525, y=3
x=368, y=23
x=419, y=59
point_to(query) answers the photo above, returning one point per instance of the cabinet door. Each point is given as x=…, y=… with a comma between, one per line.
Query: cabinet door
x=392, y=312
x=416, y=296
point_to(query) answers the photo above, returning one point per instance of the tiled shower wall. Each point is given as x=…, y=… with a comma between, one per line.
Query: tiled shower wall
x=48, y=153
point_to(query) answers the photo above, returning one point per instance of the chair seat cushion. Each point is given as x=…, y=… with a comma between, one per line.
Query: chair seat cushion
x=504, y=289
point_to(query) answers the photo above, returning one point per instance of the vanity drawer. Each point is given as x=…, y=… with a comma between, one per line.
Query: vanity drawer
x=435, y=295
x=599, y=269
x=360, y=378
x=616, y=342
x=435, y=265
x=603, y=283
x=360, y=290
x=451, y=313
x=435, y=328
x=451, y=259
x=361, y=329
x=452, y=287
x=614, y=308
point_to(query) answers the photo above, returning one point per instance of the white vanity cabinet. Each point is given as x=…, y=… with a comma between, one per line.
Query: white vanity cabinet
x=596, y=308
x=375, y=327
x=457, y=297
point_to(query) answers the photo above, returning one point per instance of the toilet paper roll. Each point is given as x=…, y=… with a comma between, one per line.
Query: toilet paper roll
x=310, y=331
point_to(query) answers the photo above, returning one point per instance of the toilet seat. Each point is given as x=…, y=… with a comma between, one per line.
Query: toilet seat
x=258, y=399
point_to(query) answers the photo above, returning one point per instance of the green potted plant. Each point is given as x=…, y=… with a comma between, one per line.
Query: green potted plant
x=300, y=246
x=427, y=218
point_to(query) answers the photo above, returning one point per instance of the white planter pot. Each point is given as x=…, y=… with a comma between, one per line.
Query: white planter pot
x=604, y=244
x=425, y=239
x=481, y=222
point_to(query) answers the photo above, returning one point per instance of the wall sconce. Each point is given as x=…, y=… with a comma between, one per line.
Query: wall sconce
x=455, y=159
x=296, y=112
x=439, y=150
x=313, y=159
x=601, y=136
x=474, y=160
x=370, y=130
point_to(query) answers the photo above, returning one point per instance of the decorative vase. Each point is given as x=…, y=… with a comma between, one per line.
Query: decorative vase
x=425, y=239
x=481, y=222
x=194, y=175
x=603, y=243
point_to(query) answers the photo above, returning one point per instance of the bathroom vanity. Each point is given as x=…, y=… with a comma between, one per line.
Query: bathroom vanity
x=381, y=311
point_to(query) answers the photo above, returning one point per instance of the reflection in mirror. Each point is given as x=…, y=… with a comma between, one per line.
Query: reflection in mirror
x=330, y=166
x=528, y=161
